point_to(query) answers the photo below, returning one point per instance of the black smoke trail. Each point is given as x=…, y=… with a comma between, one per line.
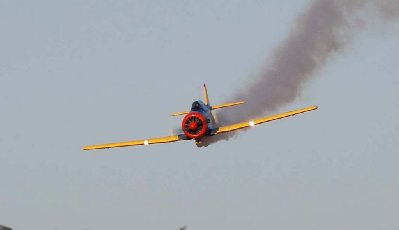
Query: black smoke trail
x=323, y=29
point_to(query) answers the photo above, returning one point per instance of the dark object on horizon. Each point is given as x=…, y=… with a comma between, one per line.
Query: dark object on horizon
x=182, y=228
x=4, y=228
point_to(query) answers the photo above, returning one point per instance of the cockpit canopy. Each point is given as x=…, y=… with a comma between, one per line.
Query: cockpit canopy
x=196, y=106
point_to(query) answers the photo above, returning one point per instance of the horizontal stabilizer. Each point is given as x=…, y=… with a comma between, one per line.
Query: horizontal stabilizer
x=180, y=113
x=228, y=105
x=212, y=107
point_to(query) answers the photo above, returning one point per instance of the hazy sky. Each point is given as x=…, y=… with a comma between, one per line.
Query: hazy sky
x=74, y=73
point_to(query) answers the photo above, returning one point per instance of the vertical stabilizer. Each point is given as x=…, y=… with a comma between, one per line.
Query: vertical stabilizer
x=206, y=99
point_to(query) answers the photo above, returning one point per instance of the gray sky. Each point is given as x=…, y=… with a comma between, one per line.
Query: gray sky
x=74, y=73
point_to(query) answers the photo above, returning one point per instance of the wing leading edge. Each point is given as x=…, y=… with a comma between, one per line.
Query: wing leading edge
x=159, y=140
x=242, y=125
x=223, y=129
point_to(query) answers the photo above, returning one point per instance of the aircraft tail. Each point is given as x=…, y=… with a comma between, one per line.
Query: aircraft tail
x=206, y=99
x=206, y=102
x=227, y=105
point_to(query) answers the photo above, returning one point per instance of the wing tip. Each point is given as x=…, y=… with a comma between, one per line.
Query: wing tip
x=85, y=148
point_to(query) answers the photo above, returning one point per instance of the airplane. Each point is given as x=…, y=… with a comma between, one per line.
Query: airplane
x=199, y=123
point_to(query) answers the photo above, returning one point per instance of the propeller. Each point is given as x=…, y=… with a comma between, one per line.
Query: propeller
x=194, y=125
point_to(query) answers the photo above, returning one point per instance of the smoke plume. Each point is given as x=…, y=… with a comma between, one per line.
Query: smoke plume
x=324, y=28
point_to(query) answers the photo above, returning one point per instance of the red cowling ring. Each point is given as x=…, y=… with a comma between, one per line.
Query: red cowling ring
x=204, y=126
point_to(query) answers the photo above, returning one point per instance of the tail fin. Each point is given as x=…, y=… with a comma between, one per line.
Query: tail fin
x=206, y=99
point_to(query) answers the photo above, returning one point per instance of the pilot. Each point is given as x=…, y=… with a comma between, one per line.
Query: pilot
x=196, y=106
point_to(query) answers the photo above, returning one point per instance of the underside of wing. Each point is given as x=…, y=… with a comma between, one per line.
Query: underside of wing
x=242, y=125
x=159, y=140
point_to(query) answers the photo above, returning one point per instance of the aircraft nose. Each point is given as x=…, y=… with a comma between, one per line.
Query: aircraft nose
x=193, y=125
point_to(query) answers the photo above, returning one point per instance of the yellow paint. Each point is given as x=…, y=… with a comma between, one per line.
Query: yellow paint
x=206, y=99
x=223, y=129
x=134, y=143
x=213, y=107
x=247, y=124
x=180, y=113
x=228, y=105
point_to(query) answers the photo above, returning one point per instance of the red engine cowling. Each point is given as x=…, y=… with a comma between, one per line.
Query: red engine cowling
x=194, y=125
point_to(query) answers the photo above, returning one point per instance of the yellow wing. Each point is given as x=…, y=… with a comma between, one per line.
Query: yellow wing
x=247, y=124
x=159, y=140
